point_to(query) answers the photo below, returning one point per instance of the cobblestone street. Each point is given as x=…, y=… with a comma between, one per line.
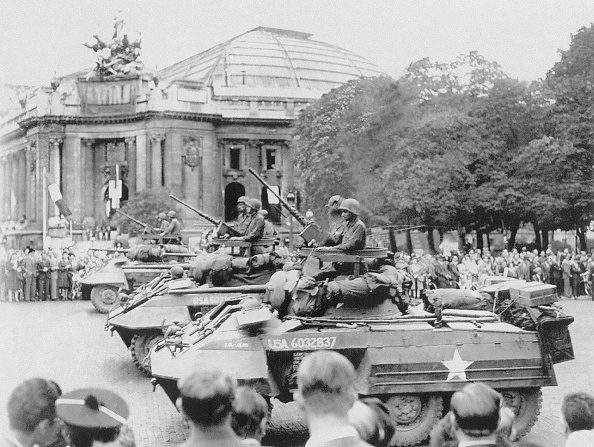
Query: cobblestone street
x=66, y=341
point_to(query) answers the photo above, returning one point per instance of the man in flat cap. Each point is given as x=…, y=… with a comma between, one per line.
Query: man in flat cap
x=206, y=397
x=93, y=416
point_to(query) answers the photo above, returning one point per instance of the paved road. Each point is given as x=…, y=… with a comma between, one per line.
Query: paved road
x=66, y=341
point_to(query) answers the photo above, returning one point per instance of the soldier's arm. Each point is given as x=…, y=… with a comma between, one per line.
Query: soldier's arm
x=350, y=241
x=254, y=231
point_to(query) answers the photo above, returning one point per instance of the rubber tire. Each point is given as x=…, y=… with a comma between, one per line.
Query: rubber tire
x=140, y=347
x=419, y=429
x=286, y=420
x=530, y=405
x=98, y=295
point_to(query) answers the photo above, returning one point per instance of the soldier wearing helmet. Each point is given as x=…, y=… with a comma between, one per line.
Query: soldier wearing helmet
x=255, y=228
x=171, y=235
x=163, y=223
x=353, y=233
x=243, y=220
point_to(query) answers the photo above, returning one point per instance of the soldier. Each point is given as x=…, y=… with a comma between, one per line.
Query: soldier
x=171, y=235
x=43, y=278
x=243, y=220
x=163, y=223
x=335, y=221
x=94, y=416
x=353, y=234
x=255, y=229
x=269, y=230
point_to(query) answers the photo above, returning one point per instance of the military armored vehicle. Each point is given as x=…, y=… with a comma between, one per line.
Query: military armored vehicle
x=141, y=318
x=123, y=273
x=412, y=362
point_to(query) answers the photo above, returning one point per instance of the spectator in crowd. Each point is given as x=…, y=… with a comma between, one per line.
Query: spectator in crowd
x=566, y=272
x=30, y=272
x=3, y=261
x=94, y=417
x=206, y=397
x=326, y=393
x=249, y=416
x=12, y=280
x=31, y=413
x=577, y=414
x=476, y=418
x=43, y=278
x=373, y=421
x=64, y=283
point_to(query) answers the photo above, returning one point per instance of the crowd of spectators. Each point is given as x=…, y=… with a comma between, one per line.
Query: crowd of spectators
x=45, y=275
x=569, y=271
x=221, y=414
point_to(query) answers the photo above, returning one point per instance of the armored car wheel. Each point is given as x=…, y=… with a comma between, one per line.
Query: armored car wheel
x=140, y=347
x=416, y=415
x=104, y=297
x=526, y=404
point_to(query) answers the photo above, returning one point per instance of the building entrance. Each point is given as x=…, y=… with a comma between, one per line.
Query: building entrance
x=233, y=191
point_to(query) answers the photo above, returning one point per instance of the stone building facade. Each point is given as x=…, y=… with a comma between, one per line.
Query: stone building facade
x=193, y=128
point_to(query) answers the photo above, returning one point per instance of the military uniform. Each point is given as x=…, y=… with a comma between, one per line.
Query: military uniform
x=353, y=236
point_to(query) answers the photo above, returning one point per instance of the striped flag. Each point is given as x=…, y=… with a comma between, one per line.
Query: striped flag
x=56, y=195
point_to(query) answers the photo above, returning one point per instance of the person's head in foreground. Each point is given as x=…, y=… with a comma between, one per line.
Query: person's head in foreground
x=92, y=415
x=373, y=421
x=250, y=414
x=475, y=412
x=577, y=414
x=31, y=413
x=326, y=393
x=206, y=396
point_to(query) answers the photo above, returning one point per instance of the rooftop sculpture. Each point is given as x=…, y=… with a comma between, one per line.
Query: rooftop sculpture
x=118, y=57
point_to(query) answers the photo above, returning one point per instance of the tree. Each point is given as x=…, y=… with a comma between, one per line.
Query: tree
x=572, y=83
x=143, y=206
x=341, y=141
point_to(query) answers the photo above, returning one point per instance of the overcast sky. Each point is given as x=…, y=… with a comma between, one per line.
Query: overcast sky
x=38, y=37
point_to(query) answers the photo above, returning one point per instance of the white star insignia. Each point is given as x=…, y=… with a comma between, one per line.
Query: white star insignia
x=456, y=367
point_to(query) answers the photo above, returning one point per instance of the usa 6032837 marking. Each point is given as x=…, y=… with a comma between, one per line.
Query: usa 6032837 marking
x=302, y=343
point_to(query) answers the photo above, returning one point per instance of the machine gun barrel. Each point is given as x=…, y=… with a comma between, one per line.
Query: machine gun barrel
x=211, y=219
x=136, y=221
x=296, y=214
x=311, y=231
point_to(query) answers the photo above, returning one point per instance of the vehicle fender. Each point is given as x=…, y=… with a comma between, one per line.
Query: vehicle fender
x=111, y=277
x=147, y=317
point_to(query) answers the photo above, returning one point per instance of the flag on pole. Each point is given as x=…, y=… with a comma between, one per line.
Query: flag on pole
x=56, y=195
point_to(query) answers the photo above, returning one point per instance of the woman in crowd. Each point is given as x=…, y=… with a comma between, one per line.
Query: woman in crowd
x=64, y=278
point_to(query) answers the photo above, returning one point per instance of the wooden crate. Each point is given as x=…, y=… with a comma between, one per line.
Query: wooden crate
x=534, y=294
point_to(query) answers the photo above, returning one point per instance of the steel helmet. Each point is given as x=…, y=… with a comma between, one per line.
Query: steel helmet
x=177, y=271
x=171, y=214
x=254, y=204
x=162, y=216
x=243, y=199
x=351, y=205
x=264, y=213
x=334, y=201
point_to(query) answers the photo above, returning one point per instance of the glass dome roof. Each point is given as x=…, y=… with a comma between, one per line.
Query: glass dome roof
x=269, y=58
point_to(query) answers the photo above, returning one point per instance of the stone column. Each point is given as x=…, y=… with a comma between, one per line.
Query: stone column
x=192, y=175
x=88, y=179
x=173, y=162
x=141, y=165
x=287, y=168
x=211, y=167
x=156, y=160
x=131, y=151
x=22, y=185
x=31, y=163
x=55, y=167
x=72, y=179
x=14, y=187
x=5, y=189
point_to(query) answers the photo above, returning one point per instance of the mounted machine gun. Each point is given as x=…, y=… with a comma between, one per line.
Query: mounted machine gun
x=311, y=230
x=222, y=227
